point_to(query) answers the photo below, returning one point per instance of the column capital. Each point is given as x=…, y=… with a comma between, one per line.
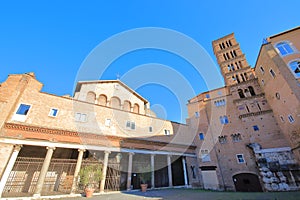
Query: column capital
x=83, y=150
x=152, y=154
x=131, y=153
x=17, y=147
x=52, y=148
x=107, y=152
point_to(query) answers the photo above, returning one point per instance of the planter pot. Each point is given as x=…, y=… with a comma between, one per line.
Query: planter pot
x=144, y=187
x=89, y=192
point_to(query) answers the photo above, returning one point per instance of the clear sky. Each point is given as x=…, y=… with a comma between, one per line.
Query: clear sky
x=53, y=38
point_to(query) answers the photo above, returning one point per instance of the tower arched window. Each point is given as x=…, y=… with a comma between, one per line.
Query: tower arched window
x=295, y=68
x=251, y=90
x=284, y=48
x=241, y=93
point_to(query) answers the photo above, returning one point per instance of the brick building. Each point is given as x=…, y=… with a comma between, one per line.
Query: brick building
x=249, y=129
x=46, y=139
x=241, y=137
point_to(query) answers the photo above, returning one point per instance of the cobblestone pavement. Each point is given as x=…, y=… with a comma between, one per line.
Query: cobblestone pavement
x=185, y=194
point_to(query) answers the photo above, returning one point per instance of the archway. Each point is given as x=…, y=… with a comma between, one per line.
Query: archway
x=246, y=182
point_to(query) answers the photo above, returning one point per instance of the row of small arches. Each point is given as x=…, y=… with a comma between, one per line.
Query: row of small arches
x=114, y=102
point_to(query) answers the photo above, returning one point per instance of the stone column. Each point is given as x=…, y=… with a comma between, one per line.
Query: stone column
x=170, y=170
x=43, y=172
x=152, y=172
x=129, y=171
x=77, y=169
x=184, y=172
x=9, y=167
x=104, y=170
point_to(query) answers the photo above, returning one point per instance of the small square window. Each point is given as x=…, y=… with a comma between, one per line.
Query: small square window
x=107, y=122
x=197, y=115
x=255, y=128
x=240, y=158
x=53, y=112
x=23, y=109
x=150, y=129
x=167, y=132
x=80, y=117
x=130, y=125
x=207, y=96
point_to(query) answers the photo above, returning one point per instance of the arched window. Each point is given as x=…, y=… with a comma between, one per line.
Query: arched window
x=115, y=102
x=295, y=68
x=241, y=93
x=136, y=108
x=284, y=48
x=91, y=97
x=127, y=106
x=251, y=90
x=102, y=100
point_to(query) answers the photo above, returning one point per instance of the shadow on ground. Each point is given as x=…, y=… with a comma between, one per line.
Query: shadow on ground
x=185, y=194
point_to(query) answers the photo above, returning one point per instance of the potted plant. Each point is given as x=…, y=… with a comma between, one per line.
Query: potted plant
x=90, y=176
x=145, y=176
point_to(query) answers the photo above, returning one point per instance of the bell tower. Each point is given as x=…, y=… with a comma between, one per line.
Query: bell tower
x=234, y=66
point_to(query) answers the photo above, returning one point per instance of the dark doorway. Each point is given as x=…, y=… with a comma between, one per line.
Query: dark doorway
x=177, y=172
x=246, y=182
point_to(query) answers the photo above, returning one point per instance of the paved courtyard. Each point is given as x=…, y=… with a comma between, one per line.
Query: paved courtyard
x=183, y=194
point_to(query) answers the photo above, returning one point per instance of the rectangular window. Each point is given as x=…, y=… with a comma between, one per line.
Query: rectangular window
x=167, y=132
x=207, y=96
x=130, y=125
x=201, y=136
x=291, y=119
x=272, y=73
x=150, y=129
x=80, y=117
x=53, y=112
x=240, y=158
x=133, y=125
x=23, y=109
x=21, y=113
x=107, y=122
x=205, y=157
x=224, y=119
x=255, y=128
x=197, y=115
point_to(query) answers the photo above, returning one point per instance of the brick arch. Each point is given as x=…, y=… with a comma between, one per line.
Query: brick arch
x=136, y=108
x=91, y=97
x=127, y=105
x=102, y=100
x=115, y=102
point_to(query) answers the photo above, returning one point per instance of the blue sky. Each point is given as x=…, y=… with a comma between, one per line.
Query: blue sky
x=53, y=38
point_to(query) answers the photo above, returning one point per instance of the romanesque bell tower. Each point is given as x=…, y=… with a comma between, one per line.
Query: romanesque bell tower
x=234, y=66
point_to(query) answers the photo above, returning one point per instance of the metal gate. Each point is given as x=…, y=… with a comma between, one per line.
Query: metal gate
x=24, y=175
x=113, y=176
